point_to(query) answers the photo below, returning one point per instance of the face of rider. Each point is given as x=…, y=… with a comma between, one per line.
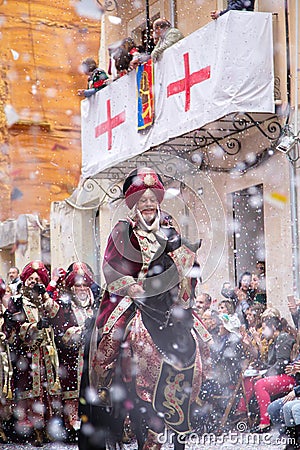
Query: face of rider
x=81, y=291
x=147, y=205
x=32, y=280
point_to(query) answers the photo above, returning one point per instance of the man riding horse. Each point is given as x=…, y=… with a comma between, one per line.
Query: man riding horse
x=133, y=245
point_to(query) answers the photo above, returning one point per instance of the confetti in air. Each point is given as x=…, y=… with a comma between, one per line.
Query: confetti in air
x=114, y=20
x=11, y=115
x=16, y=194
x=171, y=193
x=14, y=54
x=89, y=9
x=276, y=199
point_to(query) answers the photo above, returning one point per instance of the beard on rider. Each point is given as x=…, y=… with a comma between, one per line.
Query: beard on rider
x=148, y=206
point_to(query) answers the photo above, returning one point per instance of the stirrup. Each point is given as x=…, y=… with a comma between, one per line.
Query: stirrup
x=104, y=397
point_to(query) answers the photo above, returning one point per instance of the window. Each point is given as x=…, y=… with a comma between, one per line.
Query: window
x=248, y=237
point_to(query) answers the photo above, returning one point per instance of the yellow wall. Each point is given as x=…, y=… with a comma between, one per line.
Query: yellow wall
x=42, y=46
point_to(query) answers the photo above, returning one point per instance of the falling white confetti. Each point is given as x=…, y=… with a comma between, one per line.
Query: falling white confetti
x=172, y=193
x=11, y=115
x=89, y=9
x=14, y=54
x=51, y=92
x=114, y=20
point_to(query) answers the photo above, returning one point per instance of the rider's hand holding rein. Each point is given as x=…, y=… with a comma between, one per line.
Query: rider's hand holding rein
x=135, y=290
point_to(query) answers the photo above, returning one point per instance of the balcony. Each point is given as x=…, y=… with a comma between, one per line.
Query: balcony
x=214, y=105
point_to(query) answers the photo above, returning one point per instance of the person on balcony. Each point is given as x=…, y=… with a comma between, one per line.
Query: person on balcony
x=97, y=78
x=166, y=36
x=234, y=5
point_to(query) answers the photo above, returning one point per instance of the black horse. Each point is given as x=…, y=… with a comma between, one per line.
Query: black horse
x=168, y=326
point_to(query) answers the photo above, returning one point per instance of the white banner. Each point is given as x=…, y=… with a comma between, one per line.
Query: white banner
x=225, y=67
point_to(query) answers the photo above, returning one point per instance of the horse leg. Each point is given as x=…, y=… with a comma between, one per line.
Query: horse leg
x=177, y=445
x=137, y=422
x=97, y=420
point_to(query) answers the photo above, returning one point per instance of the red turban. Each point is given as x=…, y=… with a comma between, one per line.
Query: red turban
x=77, y=273
x=35, y=267
x=138, y=182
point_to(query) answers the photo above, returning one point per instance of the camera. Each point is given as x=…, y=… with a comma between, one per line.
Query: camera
x=39, y=289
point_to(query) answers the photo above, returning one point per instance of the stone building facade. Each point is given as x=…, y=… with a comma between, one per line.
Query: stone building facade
x=262, y=184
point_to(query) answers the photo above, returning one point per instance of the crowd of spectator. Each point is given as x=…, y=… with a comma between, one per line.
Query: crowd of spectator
x=43, y=324
x=254, y=360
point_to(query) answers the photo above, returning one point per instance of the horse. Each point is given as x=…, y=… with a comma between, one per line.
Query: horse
x=155, y=383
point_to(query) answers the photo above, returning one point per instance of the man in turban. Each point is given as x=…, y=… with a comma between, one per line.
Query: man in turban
x=74, y=302
x=35, y=377
x=131, y=247
x=132, y=242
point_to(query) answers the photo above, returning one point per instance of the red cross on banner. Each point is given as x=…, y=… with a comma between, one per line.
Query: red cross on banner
x=185, y=84
x=109, y=124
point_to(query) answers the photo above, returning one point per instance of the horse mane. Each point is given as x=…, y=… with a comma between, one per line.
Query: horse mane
x=166, y=320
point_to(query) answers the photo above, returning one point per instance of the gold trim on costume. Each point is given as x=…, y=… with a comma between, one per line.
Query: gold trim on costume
x=201, y=330
x=184, y=259
x=121, y=283
x=124, y=304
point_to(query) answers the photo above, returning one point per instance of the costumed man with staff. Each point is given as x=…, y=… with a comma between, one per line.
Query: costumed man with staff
x=131, y=246
x=35, y=361
x=74, y=302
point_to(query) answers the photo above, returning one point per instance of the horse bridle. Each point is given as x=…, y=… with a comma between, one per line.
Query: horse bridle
x=167, y=314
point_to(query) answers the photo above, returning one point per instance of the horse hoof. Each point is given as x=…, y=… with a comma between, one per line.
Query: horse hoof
x=104, y=397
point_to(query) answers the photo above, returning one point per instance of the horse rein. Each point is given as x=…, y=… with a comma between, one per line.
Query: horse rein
x=143, y=307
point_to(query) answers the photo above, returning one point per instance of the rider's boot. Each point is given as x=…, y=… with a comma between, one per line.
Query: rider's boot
x=152, y=441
